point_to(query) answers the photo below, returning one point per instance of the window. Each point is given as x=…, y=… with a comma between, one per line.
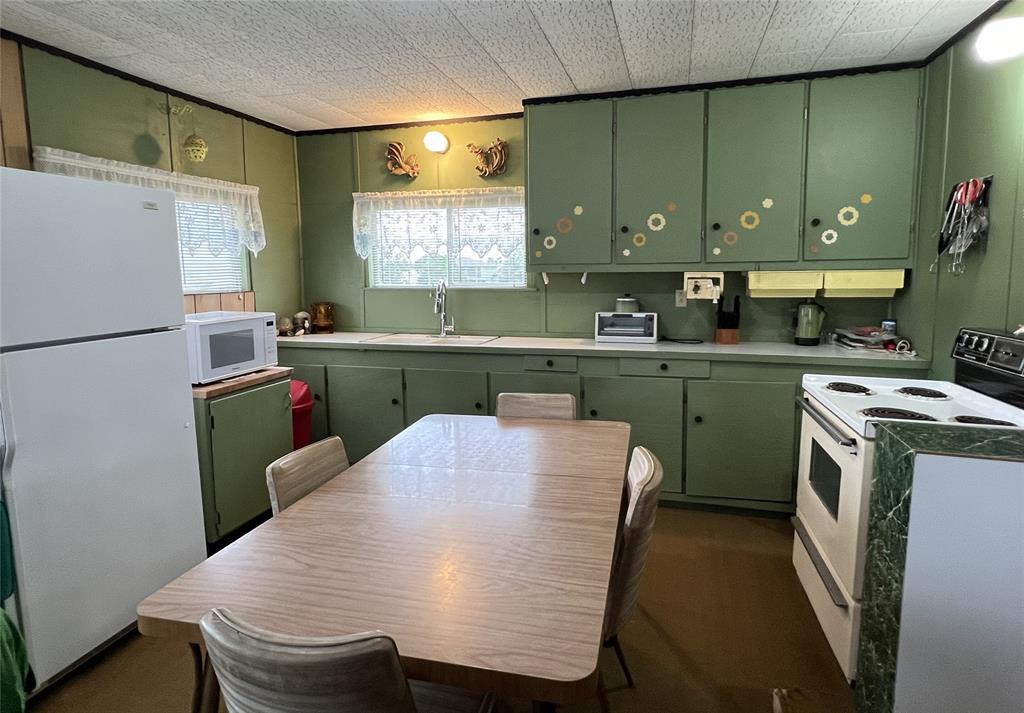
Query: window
x=211, y=255
x=216, y=219
x=469, y=238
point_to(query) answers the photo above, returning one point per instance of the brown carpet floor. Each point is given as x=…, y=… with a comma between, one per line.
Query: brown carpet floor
x=722, y=621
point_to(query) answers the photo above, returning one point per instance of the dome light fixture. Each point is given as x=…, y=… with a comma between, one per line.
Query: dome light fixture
x=1000, y=40
x=435, y=141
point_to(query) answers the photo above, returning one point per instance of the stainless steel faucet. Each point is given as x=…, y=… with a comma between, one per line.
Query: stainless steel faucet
x=441, y=308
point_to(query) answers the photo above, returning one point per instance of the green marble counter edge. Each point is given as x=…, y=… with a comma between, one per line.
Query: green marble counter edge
x=851, y=362
x=896, y=447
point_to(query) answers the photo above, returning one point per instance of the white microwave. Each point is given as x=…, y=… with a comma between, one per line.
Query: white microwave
x=226, y=344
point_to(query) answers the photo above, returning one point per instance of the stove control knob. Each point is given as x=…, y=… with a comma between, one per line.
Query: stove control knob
x=963, y=339
x=983, y=344
x=972, y=342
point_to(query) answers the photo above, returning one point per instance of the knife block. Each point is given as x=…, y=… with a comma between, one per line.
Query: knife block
x=727, y=336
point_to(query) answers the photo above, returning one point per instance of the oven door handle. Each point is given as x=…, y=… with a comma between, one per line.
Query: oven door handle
x=827, y=427
x=831, y=586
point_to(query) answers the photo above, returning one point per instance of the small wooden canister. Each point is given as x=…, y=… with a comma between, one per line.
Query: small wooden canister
x=727, y=336
x=323, y=317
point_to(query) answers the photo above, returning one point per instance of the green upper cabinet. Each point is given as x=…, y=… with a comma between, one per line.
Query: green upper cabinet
x=755, y=157
x=569, y=183
x=659, y=176
x=861, y=166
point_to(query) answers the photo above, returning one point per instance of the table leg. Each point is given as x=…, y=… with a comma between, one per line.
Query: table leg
x=542, y=707
x=206, y=691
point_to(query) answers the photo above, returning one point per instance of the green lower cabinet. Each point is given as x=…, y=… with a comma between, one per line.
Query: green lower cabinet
x=245, y=432
x=440, y=391
x=534, y=384
x=861, y=166
x=654, y=409
x=740, y=440
x=364, y=405
x=315, y=377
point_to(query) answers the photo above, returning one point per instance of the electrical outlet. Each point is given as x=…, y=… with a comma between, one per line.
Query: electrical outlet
x=680, y=298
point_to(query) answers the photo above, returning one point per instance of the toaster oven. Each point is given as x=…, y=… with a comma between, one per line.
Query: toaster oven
x=636, y=327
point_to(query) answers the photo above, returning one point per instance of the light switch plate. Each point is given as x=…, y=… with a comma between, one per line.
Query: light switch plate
x=680, y=298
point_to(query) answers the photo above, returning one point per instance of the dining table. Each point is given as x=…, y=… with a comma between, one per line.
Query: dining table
x=484, y=546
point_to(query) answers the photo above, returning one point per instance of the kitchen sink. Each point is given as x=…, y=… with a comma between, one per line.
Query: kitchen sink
x=452, y=339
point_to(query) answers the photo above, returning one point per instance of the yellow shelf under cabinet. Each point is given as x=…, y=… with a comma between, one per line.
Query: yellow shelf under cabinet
x=862, y=283
x=784, y=283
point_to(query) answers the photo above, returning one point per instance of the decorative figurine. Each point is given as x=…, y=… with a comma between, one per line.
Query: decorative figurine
x=301, y=323
x=490, y=161
x=399, y=164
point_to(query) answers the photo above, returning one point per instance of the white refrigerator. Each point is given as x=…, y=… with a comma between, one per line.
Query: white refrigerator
x=99, y=467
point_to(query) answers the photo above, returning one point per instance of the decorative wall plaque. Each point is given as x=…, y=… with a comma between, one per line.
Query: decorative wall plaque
x=490, y=161
x=399, y=164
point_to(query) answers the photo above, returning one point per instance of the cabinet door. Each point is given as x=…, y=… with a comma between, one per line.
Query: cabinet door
x=364, y=406
x=861, y=158
x=534, y=384
x=439, y=391
x=654, y=410
x=755, y=156
x=740, y=439
x=315, y=375
x=248, y=430
x=569, y=183
x=659, y=178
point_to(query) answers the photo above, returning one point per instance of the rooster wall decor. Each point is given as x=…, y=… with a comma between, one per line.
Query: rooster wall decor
x=490, y=161
x=399, y=164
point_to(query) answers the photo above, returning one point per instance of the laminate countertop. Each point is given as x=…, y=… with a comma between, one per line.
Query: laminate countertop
x=760, y=352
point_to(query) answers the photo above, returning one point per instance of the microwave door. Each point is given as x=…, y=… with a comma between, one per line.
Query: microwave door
x=230, y=348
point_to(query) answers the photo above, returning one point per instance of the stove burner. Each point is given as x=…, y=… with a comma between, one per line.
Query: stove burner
x=919, y=392
x=896, y=413
x=845, y=387
x=982, y=421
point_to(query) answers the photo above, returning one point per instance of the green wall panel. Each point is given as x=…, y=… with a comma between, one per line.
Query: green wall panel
x=79, y=109
x=223, y=135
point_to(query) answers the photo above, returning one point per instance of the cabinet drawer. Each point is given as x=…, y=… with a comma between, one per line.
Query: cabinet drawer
x=549, y=363
x=667, y=367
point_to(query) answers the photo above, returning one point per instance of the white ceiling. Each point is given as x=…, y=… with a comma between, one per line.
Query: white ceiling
x=316, y=64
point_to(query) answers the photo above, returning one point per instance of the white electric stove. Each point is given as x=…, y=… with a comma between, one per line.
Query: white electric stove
x=836, y=465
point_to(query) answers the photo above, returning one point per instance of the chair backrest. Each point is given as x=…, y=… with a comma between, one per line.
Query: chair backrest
x=562, y=406
x=295, y=475
x=264, y=672
x=643, y=484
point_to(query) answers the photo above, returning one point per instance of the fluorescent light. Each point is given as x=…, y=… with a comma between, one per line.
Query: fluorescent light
x=435, y=141
x=1000, y=40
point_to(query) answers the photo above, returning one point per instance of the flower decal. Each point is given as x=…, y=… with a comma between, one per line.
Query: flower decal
x=829, y=236
x=550, y=242
x=626, y=252
x=563, y=225
x=578, y=210
x=717, y=251
x=848, y=215
x=538, y=253
x=639, y=240
x=730, y=237
x=866, y=198
x=767, y=203
x=655, y=221
x=672, y=207
x=749, y=219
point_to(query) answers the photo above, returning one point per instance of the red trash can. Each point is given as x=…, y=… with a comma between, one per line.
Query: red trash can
x=302, y=414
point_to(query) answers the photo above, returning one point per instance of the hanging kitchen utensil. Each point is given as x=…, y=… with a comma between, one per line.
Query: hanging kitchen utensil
x=965, y=222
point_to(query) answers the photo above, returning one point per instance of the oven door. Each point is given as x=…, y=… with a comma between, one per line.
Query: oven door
x=231, y=348
x=834, y=480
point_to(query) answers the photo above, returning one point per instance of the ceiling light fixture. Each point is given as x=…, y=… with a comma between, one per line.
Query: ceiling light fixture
x=435, y=141
x=1000, y=40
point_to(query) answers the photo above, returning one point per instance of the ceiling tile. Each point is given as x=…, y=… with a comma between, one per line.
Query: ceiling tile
x=655, y=40
x=875, y=15
x=505, y=29
x=865, y=44
x=804, y=25
x=769, y=65
x=726, y=35
x=584, y=36
x=541, y=76
x=825, y=64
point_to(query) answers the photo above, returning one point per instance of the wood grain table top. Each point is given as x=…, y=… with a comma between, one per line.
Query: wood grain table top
x=483, y=546
x=237, y=383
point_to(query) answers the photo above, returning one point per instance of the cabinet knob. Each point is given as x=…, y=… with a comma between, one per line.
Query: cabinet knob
x=815, y=222
x=394, y=402
x=593, y=412
x=664, y=366
x=698, y=419
x=478, y=405
x=536, y=231
x=716, y=226
x=624, y=228
x=550, y=362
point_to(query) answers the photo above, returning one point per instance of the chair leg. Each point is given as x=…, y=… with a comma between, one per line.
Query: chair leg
x=602, y=695
x=613, y=642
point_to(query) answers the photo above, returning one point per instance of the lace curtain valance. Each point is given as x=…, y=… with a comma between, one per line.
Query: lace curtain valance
x=370, y=211
x=243, y=199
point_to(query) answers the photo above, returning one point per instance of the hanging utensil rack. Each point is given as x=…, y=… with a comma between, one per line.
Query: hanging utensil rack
x=965, y=222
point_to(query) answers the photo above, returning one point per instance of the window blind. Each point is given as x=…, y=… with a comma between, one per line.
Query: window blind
x=211, y=254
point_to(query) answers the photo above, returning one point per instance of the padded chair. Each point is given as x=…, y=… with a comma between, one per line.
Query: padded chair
x=643, y=484
x=560, y=406
x=264, y=672
x=294, y=476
